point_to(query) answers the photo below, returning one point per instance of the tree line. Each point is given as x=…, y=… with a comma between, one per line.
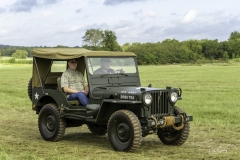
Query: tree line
x=168, y=51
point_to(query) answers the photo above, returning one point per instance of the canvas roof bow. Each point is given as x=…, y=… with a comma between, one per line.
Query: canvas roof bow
x=71, y=53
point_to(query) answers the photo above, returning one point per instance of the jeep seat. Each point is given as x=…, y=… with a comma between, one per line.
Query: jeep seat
x=61, y=90
x=91, y=109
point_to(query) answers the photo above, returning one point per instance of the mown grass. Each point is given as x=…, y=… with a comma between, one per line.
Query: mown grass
x=210, y=94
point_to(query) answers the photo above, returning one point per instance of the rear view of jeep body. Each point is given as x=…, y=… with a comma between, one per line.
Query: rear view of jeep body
x=118, y=104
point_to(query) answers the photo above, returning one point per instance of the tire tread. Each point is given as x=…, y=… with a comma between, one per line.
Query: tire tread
x=62, y=123
x=136, y=127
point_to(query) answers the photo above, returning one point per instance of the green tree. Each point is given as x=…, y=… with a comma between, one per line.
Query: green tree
x=20, y=54
x=193, y=50
x=170, y=41
x=194, y=46
x=225, y=56
x=96, y=39
x=137, y=47
x=9, y=51
x=61, y=46
x=93, y=37
x=210, y=48
x=234, y=48
x=234, y=44
x=125, y=46
x=224, y=50
x=234, y=35
x=109, y=41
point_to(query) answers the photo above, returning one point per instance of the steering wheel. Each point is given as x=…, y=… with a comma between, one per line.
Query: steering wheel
x=119, y=71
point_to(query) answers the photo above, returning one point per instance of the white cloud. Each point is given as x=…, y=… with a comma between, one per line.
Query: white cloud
x=73, y=28
x=148, y=13
x=46, y=14
x=151, y=14
x=116, y=2
x=190, y=16
x=3, y=32
x=28, y=5
x=39, y=22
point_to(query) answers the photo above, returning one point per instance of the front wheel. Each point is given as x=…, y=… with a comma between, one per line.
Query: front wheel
x=170, y=136
x=50, y=124
x=124, y=131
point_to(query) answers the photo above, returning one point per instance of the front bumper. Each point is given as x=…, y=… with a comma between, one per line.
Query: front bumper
x=168, y=121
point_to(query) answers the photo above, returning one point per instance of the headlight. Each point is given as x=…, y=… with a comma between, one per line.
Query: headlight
x=173, y=96
x=147, y=99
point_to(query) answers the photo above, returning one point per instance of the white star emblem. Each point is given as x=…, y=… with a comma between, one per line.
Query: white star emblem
x=36, y=95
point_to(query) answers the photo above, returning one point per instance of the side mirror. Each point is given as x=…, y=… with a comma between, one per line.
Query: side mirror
x=150, y=85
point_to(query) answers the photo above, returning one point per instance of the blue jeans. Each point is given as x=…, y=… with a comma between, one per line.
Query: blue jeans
x=83, y=99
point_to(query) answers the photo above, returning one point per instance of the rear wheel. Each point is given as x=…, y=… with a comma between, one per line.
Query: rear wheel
x=124, y=131
x=30, y=89
x=170, y=136
x=97, y=129
x=50, y=124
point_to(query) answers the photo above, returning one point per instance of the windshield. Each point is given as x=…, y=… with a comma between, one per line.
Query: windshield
x=111, y=65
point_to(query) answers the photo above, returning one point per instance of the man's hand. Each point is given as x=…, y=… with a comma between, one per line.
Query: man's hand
x=122, y=71
x=85, y=92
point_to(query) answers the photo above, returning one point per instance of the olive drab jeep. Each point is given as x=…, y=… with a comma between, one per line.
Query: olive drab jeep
x=118, y=104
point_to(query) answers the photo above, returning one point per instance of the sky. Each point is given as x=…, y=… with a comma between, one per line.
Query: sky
x=64, y=22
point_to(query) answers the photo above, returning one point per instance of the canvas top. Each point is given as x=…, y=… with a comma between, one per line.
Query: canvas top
x=71, y=53
x=44, y=57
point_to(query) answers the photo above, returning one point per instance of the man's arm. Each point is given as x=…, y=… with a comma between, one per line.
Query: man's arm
x=69, y=90
x=98, y=71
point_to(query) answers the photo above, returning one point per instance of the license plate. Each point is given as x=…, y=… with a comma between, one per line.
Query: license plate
x=128, y=97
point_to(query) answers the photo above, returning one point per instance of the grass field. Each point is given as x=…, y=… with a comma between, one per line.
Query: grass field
x=210, y=94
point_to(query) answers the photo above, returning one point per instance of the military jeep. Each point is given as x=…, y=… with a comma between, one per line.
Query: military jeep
x=118, y=104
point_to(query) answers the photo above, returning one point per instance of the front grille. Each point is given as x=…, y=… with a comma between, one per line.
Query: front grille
x=159, y=103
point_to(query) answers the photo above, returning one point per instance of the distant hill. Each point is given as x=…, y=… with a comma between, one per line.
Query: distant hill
x=3, y=46
x=6, y=46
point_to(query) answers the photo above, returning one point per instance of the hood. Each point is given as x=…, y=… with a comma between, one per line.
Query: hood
x=106, y=92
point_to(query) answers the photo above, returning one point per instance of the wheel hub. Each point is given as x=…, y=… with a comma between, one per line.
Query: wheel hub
x=50, y=123
x=123, y=132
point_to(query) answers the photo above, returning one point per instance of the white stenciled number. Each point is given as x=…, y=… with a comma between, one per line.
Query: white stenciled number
x=123, y=97
x=126, y=97
x=131, y=97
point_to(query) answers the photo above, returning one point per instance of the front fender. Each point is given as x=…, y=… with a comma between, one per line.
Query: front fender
x=109, y=106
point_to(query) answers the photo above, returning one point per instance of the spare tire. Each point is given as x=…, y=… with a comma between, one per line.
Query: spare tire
x=30, y=89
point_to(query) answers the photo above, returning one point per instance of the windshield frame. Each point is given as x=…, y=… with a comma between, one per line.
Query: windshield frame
x=113, y=80
x=117, y=65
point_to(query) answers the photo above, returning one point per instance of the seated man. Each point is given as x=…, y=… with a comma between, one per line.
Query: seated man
x=74, y=84
x=105, y=67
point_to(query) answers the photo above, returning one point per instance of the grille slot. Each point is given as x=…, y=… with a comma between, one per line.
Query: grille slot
x=160, y=103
